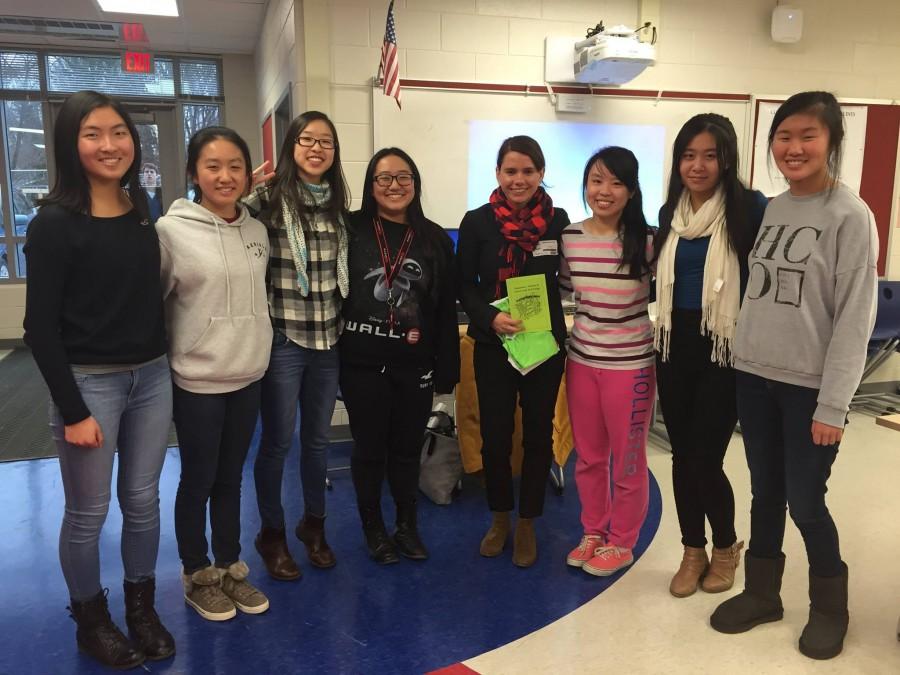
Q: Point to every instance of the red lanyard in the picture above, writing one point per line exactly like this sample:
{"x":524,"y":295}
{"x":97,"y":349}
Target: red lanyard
{"x":391,"y":268}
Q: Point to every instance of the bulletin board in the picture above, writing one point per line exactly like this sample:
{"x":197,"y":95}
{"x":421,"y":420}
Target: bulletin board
{"x":437,"y":117}
{"x":869,"y":163}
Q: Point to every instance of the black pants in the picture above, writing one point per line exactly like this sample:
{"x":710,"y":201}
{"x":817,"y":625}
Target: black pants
{"x":499,"y":385}
{"x":214,"y":432}
{"x":698,"y":404}
{"x":388,"y":409}
{"x":787,"y":468}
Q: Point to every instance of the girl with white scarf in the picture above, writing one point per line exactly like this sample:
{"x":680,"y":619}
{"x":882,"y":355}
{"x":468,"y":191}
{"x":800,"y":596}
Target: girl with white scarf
{"x":707,"y":225}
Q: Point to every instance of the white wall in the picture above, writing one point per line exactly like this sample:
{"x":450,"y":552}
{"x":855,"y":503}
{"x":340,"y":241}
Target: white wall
{"x":279,"y":61}
{"x":704,"y":45}
{"x":241,"y":107}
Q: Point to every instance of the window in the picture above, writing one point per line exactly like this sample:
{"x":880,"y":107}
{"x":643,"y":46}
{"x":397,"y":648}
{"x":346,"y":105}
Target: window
{"x":19,"y":70}
{"x":26,"y":177}
{"x":197,"y":117}
{"x":74,"y":72}
{"x":200,"y":78}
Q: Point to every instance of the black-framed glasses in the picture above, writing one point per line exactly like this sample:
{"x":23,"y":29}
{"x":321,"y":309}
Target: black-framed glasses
{"x":385,"y":179}
{"x":309,"y":141}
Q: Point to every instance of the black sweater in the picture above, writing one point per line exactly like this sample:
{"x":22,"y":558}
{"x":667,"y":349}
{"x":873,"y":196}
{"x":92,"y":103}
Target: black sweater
{"x":426,"y":335}
{"x":93,"y":297}
{"x":477,"y":264}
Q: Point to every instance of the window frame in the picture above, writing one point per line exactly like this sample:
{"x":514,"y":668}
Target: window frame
{"x":45,"y":97}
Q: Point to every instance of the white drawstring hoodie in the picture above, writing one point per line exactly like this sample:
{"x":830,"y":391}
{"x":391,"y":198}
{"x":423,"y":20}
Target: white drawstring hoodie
{"x":214,"y":287}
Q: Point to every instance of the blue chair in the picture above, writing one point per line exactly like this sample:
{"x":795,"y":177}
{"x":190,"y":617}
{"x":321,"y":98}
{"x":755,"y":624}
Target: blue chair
{"x":884,"y":342}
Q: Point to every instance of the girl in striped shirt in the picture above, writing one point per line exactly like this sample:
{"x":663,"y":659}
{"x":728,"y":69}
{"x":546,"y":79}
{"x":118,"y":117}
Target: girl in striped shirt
{"x":610,"y":377}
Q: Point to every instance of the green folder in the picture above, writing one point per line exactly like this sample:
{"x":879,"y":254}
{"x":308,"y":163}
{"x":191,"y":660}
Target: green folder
{"x":526,"y":350}
{"x":528,"y":302}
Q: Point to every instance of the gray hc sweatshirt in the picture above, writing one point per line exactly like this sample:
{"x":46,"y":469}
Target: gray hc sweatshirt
{"x":809,"y":307}
{"x":214,"y":286}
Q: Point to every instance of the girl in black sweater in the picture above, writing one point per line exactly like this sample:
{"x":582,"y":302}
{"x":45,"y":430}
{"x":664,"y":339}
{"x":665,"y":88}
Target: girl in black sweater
{"x":94,"y":321}
{"x":400,"y":344}
{"x":515,"y":234}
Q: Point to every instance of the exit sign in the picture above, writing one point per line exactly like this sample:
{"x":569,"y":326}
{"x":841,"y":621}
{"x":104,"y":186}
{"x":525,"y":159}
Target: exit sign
{"x":137,"y":62}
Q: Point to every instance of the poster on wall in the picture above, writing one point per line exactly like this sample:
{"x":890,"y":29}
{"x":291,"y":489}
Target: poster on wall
{"x":766,"y":177}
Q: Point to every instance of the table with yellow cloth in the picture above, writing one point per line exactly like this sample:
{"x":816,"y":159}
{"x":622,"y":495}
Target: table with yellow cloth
{"x":467,"y":421}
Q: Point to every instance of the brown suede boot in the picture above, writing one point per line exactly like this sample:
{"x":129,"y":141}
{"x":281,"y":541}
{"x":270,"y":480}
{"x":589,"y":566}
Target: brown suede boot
{"x":494,"y":541}
{"x":272,"y":546}
{"x":311,"y":531}
{"x":524,"y":543}
{"x":694,"y":564}
{"x":720,"y":576}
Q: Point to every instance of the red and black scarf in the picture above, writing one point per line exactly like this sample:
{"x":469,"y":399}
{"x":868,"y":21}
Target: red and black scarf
{"x":522,"y":228}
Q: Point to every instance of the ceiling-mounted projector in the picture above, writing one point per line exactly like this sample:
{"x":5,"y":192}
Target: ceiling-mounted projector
{"x":614,"y":56}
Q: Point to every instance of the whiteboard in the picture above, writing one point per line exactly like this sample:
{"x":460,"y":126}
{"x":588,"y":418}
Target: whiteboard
{"x":766,"y":177}
{"x":434,"y":128}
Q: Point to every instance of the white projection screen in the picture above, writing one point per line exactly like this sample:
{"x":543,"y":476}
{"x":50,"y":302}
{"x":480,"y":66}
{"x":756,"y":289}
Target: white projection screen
{"x":453,"y":136}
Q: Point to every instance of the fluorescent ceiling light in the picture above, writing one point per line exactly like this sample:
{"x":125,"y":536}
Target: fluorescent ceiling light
{"x":25,"y":130}
{"x":154,"y":7}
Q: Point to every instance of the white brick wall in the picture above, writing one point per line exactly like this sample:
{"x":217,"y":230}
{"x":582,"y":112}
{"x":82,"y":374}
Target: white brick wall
{"x":704,"y":45}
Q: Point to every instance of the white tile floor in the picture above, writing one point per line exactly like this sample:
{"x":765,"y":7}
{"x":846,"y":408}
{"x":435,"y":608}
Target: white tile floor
{"x":637,"y":627}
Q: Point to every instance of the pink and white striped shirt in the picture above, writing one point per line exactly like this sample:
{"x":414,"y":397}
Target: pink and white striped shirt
{"x":612,"y":329}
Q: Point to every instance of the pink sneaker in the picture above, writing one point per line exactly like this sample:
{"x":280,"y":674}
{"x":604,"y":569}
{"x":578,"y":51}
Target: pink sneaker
{"x":608,"y":560}
{"x":585,"y":550}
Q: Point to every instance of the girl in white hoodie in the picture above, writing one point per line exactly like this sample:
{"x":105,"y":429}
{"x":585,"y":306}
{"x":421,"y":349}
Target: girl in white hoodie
{"x":213,"y":262}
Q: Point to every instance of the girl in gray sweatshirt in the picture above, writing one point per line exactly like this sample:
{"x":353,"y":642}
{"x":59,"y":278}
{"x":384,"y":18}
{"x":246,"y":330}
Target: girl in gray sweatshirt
{"x":213,"y":260}
{"x":800,"y":347}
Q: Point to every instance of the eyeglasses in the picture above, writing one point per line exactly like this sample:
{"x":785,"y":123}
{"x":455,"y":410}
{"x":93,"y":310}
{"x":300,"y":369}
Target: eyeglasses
{"x":309,"y":141}
{"x":385,"y":179}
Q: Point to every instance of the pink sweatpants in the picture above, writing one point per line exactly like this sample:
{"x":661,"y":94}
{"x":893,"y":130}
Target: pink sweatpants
{"x":610,"y":411}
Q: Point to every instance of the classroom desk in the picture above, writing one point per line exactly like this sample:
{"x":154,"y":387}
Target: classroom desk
{"x":468,"y":423}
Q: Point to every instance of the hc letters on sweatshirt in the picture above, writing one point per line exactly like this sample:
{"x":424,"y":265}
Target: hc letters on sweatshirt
{"x":809,"y":307}
{"x":214,"y":284}
{"x":612,"y":328}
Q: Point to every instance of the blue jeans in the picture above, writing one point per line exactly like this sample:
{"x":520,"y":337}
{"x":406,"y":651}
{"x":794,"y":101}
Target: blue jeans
{"x":787,"y":469}
{"x":310,"y":377}
{"x":134,"y":410}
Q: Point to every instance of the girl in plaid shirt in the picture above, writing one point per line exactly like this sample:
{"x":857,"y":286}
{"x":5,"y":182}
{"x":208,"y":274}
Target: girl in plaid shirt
{"x":304,"y":207}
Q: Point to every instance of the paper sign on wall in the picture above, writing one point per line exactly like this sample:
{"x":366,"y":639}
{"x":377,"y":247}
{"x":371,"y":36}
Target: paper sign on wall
{"x":766,"y":177}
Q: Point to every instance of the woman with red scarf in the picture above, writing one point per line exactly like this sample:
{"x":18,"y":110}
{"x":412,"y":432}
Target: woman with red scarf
{"x":515,"y":234}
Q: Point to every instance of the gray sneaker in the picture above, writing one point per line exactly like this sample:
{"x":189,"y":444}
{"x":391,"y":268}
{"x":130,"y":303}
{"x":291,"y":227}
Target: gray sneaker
{"x":244,"y":595}
{"x":203,"y":592}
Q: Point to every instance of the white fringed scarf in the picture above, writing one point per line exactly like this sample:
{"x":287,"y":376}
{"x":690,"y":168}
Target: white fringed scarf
{"x":721,"y":301}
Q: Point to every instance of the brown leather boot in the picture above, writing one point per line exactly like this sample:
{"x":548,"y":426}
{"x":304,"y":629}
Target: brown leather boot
{"x":720,"y":576}
{"x":495,"y":539}
{"x":694,"y":564}
{"x":311,"y":531}
{"x":272,"y":546}
{"x":524,"y":543}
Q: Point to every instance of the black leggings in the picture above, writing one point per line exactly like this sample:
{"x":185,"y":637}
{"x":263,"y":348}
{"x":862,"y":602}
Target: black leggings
{"x":388,"y":409}
{"x":499,"y":385}
{"x":700,"y":410}
{"x":214,"y":432}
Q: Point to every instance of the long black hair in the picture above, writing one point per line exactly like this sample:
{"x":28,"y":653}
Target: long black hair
{"x":633,"y":227}
{"x":288,"y":186}
{"x":736,"y":203}
{"x":823,"y":106}
{"x":203,"y":138}
{"x":427,"y":232}
{"x":72,"y":189}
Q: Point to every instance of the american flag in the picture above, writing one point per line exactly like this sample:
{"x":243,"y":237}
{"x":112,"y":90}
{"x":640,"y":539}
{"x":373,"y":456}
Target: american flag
{"x":390,"y":66}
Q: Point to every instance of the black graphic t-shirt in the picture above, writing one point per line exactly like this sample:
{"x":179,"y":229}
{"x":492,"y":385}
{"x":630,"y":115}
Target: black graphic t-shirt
{"x":424,"y":333}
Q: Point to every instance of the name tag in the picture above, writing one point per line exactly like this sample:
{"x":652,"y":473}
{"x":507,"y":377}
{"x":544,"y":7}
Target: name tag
{"x":546,"y":248}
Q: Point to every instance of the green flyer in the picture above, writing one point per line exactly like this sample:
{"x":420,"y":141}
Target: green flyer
{"x":528,"y":302}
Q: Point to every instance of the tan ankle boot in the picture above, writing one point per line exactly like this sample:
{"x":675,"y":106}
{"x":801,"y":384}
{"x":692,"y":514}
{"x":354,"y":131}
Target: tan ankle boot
{"x":495,"y":540}
{"x":720,"y":576}
{"x":524,"y":543}
{"x":694,"y":564}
